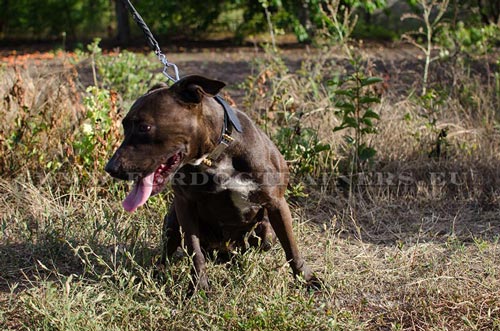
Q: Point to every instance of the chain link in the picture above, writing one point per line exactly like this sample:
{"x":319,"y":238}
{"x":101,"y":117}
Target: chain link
{"x":153,"y":43}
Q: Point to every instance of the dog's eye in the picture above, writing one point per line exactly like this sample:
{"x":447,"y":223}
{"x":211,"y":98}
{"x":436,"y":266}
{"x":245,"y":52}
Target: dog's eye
{"x":144,"y":128}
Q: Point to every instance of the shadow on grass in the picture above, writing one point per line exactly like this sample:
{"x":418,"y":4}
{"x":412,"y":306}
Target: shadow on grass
{"x":24,"y":264}
{"x":410,"y":202}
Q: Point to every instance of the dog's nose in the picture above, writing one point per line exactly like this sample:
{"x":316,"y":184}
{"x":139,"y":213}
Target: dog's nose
{"x":116,"y":170}
{"x":113,"y":169}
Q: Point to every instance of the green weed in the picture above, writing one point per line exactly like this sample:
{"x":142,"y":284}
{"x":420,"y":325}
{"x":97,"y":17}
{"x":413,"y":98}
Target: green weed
{"x":430,"y":25}
{"x":298,"y":141}
{"x":128,"y":73}
{"x":99,"y":131}
{"x":354,"y":103}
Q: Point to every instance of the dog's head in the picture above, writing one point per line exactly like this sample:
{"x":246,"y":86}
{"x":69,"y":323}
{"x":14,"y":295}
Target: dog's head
{"x":162,"y":131}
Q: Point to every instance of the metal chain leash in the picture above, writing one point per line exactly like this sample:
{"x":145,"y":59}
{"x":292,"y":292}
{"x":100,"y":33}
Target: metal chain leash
{"x":229,"y":114}
{"x":153,"y":43}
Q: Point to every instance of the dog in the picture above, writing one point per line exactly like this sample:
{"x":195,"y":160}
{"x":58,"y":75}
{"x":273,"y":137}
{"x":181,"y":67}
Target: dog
{"x":228,"y":178}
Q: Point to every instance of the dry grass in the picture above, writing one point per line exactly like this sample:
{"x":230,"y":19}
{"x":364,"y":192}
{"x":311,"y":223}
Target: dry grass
{"x":415,"y":246}
{"x":41,"y":106}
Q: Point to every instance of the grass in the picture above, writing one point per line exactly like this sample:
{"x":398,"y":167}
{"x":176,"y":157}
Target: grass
{"x":86,"y":265}
{"x":415,"y":246}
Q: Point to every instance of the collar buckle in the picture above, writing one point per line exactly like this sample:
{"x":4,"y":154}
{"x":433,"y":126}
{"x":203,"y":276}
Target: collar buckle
{"x":225,"y":141}
{"x":230,"y":121}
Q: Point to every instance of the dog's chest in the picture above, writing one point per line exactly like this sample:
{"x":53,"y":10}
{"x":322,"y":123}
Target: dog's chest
{"x":241,"y":186}
{"x":222,"y":184}
{"x":240,"y":193}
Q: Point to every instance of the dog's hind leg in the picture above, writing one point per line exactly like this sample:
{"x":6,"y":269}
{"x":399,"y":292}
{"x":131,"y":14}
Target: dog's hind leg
{"x":264,"y":237}
{"x":281,"y":220}
{"x":171,"y":237}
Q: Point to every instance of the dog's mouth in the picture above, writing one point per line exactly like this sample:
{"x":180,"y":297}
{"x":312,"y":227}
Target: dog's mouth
{"x":151,"y":184}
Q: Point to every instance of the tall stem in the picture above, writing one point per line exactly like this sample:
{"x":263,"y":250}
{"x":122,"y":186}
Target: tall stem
{"x":427,"y":13}
{"x":271,"y":28}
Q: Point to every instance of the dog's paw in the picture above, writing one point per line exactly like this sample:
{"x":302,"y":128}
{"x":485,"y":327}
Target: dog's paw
{"x":200,"y":286}
{"x":313,"y":284}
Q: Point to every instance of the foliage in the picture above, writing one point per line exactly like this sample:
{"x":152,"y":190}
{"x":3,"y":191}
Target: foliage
{"x":430,"y":107}
{"x":352,"y":96}
{"x":298,"y":142}
{"x":35,"y":116}
{"x":39,"y":137}
{"x":73,"y":260}
{"x":430,"y":24}
{"x":301,"y":147}
{"x":303,"y":18}
{"x":43,"y":18}
{"x":369,"y":5}
{"x":431,"y":102}
{"x":128,"y":73}
{"x":76,"y":20}
{"x":338,"y":22}
{"x":353,"y":101}
{"x":475,"y":12}
{"x":188,"y":17}
{"x":98,"y":133}
{"x":469,"y":39}
{"x":126,"y":76}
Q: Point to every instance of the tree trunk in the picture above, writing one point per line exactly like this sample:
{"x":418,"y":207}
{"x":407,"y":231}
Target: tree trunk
{"x":304,"y":16}
{"x":123,"y":26}
{"x":4,"y":15}
{"x":489,"y":11}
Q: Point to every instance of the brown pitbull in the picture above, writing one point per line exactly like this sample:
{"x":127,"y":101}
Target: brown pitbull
{"x":229,"y":184}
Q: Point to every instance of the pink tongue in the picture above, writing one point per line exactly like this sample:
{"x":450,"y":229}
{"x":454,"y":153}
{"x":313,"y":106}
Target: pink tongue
{"x":139,"y":194}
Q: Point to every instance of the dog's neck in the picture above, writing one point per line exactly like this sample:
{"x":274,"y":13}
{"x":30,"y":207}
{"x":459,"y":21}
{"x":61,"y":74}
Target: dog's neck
{"x":210,"y":127}
{"x":213,"y":120}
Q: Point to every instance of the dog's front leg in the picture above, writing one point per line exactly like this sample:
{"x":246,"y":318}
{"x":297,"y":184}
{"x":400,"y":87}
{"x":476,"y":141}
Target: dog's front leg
{"x":171,"y":237}
{"x":190,"y":225}
{"x":281,"y":221}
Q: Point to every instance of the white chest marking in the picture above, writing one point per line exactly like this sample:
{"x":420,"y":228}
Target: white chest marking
{"x":240,"y":197}
{"x":240,"y":187}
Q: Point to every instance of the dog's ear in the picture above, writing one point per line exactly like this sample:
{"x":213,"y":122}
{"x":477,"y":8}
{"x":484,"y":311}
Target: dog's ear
{"x":192,"y":89}
{"x":157,"y":86}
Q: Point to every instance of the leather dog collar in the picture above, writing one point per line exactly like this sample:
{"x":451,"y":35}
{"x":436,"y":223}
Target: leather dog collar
{"x":229,"y":114}
{"x":225,"y":140}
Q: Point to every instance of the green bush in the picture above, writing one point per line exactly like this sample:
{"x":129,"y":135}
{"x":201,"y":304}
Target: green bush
{"x":128,"y":73}
{"x":98,"y":132}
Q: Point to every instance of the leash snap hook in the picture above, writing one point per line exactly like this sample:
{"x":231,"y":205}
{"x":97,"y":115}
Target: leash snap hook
{"x":167,"y":65}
